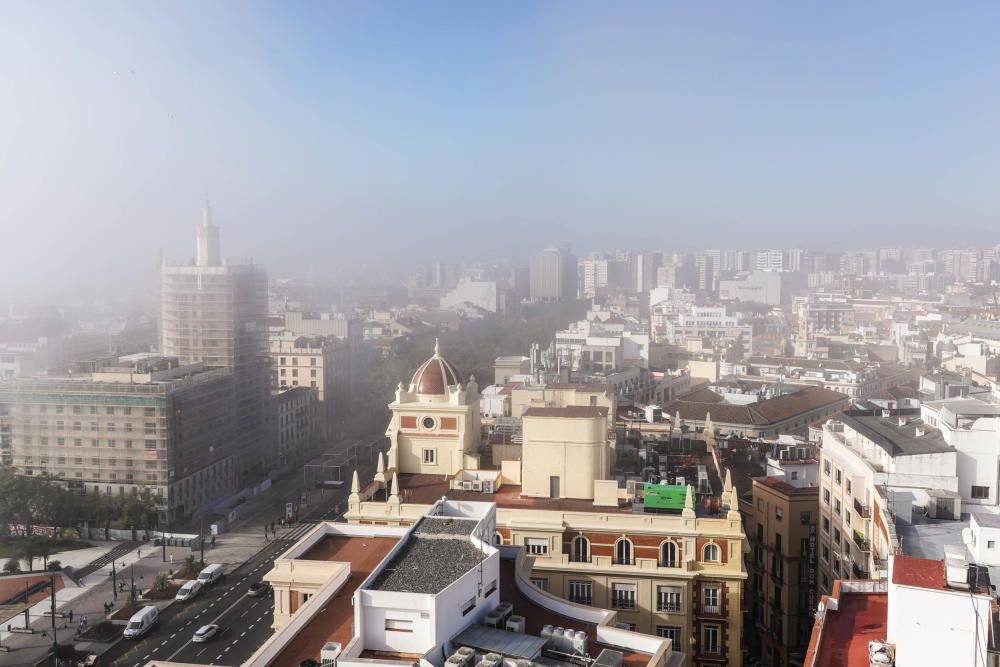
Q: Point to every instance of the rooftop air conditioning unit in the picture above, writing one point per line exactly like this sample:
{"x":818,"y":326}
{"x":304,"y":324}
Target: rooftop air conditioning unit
{"x":467,"y":486}
{"x":493,"y":659}
{"x":516,"y":624}
{"x":504,"y":609}
{"x":460,"y":659}
{"x":329,"y":653}
{"x":488,"y":486}
{"x":477,"y":486}
{"x":493,"y":620}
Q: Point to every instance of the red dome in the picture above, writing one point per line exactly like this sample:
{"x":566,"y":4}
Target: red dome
{"x":435,"y":375}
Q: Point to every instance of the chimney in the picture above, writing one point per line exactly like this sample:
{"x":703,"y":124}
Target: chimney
{"x":901,"y":421}
{"x":920,"y":431}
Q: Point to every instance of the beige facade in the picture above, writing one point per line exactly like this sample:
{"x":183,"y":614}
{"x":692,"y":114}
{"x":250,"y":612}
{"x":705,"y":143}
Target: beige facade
{"x":323,"y":364}
{"x":680,"y":577}
{"x":561,"y":395}
{"x":435,"y":427}
{"x":564,"y":451}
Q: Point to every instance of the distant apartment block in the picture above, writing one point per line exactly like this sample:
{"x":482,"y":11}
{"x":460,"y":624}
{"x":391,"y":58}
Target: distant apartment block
{"x":145,"y":423}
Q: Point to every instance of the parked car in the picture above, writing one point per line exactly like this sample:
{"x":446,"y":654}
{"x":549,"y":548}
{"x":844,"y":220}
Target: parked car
{"x":259,"y":589}
{"x":188,"y":591}
{"x":205,"y":633}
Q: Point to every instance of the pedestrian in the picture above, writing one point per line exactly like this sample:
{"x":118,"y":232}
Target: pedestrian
{"x":213,"y":540}
{"x":138,"y":552}
{"x":171,"y":559}
{"x":70,"y":615}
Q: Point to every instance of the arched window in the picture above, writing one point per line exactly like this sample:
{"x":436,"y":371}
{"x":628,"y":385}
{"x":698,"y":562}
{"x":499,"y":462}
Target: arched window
{"x":668,"y":554}
{"x":497,"y":538}
{"x":711,"y":553}
{"x":623,"y":552}
{"x":580,"y":550}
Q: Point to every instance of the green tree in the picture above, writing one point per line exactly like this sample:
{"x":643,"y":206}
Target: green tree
{"x":29,"y":552}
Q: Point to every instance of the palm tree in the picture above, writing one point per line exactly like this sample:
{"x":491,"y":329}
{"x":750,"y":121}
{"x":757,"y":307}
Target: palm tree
{"x":43,"y":548}
{"x":29,"y":552}
{"x":161,"y":582}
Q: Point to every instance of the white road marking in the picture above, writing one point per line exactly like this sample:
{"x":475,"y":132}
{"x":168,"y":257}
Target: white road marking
{"x":200,"y":652}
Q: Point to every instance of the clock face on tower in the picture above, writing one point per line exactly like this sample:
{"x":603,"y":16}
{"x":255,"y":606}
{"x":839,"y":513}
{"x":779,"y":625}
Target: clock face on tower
{"x":428,"y":422}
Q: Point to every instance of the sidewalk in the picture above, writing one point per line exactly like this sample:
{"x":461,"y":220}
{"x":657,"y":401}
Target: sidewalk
{"x":85,"y":600}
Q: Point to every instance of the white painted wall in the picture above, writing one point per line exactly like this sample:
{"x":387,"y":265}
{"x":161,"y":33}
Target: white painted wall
{"x":931,"y":628}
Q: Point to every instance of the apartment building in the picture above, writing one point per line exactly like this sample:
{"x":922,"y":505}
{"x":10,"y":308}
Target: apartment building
{"x":145,"y":423}
{"x":677,"y":575}
{"x":853,"y":378}
{"x":320,"y":363}
{"x":436,"y":591}
{"x":297,"y":426}
{"x":215,"y":313}
{"x":781,"y":525}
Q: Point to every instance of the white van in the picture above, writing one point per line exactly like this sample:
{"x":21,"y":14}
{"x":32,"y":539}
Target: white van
{"x":141,"y":622}
{"x":210,"y":574}
{"x":188,"y":591}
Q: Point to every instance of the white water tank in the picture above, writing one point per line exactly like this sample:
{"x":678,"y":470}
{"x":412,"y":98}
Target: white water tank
{"x":580,"y":642}
{"x":559,"y":639}
{"x":547,"y":632}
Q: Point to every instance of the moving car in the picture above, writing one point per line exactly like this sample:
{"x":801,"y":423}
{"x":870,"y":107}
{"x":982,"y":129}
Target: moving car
{"x":210,"y":574}
{"x":141,"y":622}
{"x":205,"y":633}
{"x":188,"y":591}
{"x":258,"y":589}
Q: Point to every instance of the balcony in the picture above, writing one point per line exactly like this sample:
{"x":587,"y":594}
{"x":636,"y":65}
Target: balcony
{"x":623,"y":561}
{"x":858,"y":572}
{"x":864,"y":545}
{"x":711,"y":609}
{"x":865,"y":511}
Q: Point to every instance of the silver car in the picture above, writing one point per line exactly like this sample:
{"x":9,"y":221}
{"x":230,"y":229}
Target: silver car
{"x":205,"y":633}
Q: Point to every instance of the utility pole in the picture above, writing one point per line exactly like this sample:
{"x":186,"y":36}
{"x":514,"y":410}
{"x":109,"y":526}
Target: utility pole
{"x":131,"y":570}
{"x":114,"y":580}
{"x":201,"y":538}
{"x":27,"y":605}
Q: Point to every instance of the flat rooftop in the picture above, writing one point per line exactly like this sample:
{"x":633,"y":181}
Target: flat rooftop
{"x":360,"y":552}
{"x":898,"y":440}
{"x":427,"y":489}
{"x":859,"y":619}
{"x":428,"y":565}
{"x":335,"y":621}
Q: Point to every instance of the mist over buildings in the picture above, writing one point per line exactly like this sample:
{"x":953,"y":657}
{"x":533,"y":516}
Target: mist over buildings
{"x":347,"y":138}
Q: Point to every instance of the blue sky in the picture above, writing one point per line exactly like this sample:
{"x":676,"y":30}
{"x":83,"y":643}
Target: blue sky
{"x":333,"y":137}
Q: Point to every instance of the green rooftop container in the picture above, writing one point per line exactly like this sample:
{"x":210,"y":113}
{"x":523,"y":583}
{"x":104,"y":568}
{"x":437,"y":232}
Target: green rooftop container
{"x":664,"y":497}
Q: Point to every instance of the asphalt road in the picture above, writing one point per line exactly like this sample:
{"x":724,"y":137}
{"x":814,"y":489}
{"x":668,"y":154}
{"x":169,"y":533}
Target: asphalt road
{"x":245,"y":622}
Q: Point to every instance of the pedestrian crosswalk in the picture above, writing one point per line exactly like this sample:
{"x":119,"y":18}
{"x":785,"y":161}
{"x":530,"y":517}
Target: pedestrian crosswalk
{"x":298,"y":530}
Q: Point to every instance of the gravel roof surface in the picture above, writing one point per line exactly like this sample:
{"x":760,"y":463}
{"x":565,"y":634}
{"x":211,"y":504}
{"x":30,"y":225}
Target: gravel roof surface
{"x":444,"y":526}
{"x":427,"y":565}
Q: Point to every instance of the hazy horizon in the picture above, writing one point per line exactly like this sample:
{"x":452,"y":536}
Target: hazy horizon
{"x":333,"y":138}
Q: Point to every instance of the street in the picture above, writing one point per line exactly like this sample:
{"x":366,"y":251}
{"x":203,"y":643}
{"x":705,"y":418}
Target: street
{"x":245,"y":622}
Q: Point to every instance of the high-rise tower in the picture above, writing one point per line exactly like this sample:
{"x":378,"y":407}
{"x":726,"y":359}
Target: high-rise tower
{"x":214,"y":312}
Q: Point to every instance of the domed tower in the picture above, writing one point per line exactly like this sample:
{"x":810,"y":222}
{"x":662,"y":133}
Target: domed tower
{"x":435,"y":421}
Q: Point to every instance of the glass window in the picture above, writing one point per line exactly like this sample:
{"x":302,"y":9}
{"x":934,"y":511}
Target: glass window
{"x":581,"y":592}
{"x":623,"y":596}
{"x":668,"y":599}
{"x":668,"y":554}
{"x":671,"y":632}
{"x":623,"y":552}
{"x":710,"y":639}
{"x":580,"y":549}
{"x":538,"y":546}
{"x":711,"y":553}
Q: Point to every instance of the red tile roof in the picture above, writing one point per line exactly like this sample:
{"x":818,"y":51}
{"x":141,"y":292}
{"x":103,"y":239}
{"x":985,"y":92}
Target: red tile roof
{"x":435,"y":376}
{"x":918,"y":572}
{"x":859,"y":619}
